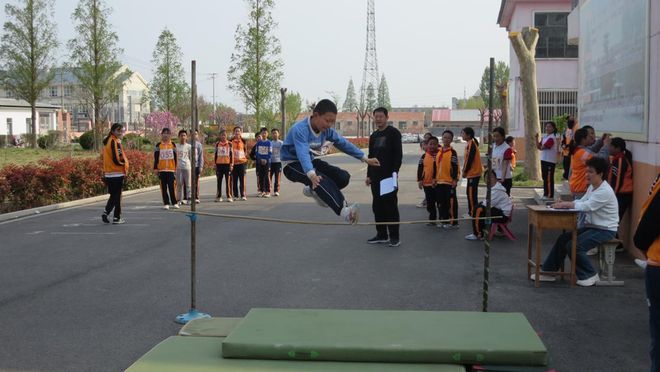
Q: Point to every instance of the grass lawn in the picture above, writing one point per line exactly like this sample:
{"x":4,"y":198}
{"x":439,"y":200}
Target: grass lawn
{"x":21,"y":156}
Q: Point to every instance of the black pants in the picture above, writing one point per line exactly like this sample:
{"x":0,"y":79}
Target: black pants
{"x":478,"y":225}
{"x":275,"y":175}
{"x":115,"y":186}
{"x":625,"y":200}
{"x":432,"y":206}
{"x":262,"y":177}
{"x":222,"y":171}
{"x":238,"y":176}
{"x":386,"y":209}
{"x":167,"y":188}
{"x":472,"y":191}
{"x":652,"y":278}
{"x":548,"y":175}
{"x":333,"y":179}
{"x":567,"y":167}
{"x":508,"y":184}
{"x":448,"y":203}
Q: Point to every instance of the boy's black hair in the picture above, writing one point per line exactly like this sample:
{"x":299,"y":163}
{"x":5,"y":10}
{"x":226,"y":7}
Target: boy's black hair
{"x":500,"y":130}
{"x":324,"y":106}
{"x":429,"y":133}
{"x":600,"y":165}
{"x":274,"y":130}
{"x":509,"y":139}
{"x":263,"y":129}
{"x":381,"y":109}
{"x":432,"y":138}
{"x":589,"y":127}
{"x":165,"y":130}
{"x":448,"y":131}
{"x":182,"y":131}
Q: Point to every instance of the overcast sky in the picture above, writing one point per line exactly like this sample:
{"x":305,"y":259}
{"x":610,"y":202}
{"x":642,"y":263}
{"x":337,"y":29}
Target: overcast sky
{"x":429,"y":50}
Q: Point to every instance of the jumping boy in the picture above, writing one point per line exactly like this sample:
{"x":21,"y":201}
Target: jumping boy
{"x":224,"y":158}
{"x":310,"y":138}
{"x":164,"y":166}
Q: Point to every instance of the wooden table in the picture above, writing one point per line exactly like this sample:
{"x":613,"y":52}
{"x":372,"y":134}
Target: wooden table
{"x":540,"y":218}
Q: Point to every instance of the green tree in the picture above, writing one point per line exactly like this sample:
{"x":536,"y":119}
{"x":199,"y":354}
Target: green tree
{"x":501,"y":77}
{"x":94,"y":53}
{"x":256,"y":68}
{"x":26,"y":51}
{"x":470,"y":103}
{"x":384,"y":94}
{"x":292,"y":106}
{"x":168,"y":87}
{"x":350,"y":104}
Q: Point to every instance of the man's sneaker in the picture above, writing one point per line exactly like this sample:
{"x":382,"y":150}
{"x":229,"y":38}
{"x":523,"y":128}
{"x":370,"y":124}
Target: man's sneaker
{"x":266,"y":195}
{"x":260,"y":194}
{"x":166,"y":207}
{"x":176,"y":206}
{"x":351,"y":213}
{"x":185,"y":201}
{"x":395,"y":242}
{"x":449,"y":226}
{"x":422,"y":204}
{"x":218,"y":200}
{"x":472,"y":237}
{"x":641,"y":263}
{"x":230,"y":200}
{"x":543,"y":278}
{"x":197,"y":201}
{"x":104,"y":217}
{"x":310,"y":193}
{"x":118,"y":221}
{"x":277,"y":193}
{"x":244,"y":198}
{"x":588,"y":282}
{"x":592,"y":251}
{"x":378,"y":240}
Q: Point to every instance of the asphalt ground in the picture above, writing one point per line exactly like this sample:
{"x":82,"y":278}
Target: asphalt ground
{"x":79,"y":295}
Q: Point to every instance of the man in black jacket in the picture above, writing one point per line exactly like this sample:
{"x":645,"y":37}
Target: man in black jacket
{"x":385,"y":145}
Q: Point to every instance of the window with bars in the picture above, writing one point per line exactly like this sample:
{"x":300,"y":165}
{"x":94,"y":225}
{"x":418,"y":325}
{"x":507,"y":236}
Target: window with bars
{"x":553,"y":36}
{"x":54,"y":91}
{"x":553,"y":103}
{"x":403,"y":125}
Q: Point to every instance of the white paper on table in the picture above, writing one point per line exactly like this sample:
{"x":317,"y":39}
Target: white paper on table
{"x":389,"y":184}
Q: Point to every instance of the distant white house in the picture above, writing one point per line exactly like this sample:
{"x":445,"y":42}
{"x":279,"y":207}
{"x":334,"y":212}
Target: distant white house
{"x":16,"y":117}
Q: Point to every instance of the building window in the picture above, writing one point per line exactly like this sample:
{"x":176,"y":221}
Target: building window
{"x":414,"y":123}
{"x":553,"y":103}
{"x":390,"y":123}
{"x":68,"y":90}
{"x":426,"y":125}
{"x":403,"y":125}
{"x":349,"y":123}
{"x":10,"y":126}
{"x":553,"y":41}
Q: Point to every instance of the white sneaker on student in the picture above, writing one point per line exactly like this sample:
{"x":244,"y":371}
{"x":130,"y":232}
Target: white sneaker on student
{"x":230,"y":200}
{"x":277,"y":193}
{"x":197,"y":201}
{"x":543,"y":278}
{"x":244,"y":198}
{"x":588,"y":282}
{"x":176,"y":206}
{"x":166,"y":207}
{"x":351,"y":213}
{"x":471,"y":237}
{"x":641,"y":263}
{"x":260,"y":194}
{"x":266,"y":195}
{"x":310,"y":193}
{"x":218,"y":200}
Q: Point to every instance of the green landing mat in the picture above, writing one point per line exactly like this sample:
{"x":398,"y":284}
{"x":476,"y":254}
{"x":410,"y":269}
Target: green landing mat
{"x":201,"y":354}
{"x":210,"y":327}
{"x":386,"y":336}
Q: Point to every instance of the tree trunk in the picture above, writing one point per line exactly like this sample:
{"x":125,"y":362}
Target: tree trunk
{"x":33,"y":136}
{"x":97,"y":126}
{"x":503,"y":91}
{"x":524,"y":44}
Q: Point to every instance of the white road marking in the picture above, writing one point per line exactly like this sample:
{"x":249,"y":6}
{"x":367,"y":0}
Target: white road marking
{"x":34,"y":233}
{"x":82,"y":233}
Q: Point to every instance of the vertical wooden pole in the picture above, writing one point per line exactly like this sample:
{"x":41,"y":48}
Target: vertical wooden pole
{"x":194,"y":196}
{"x":486,"y":230}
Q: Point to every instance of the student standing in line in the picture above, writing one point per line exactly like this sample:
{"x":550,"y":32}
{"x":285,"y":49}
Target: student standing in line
{"x":472,"y":168}
{"x":115,"y":170}
{"x":579,"y":156}
{"x":502,"y":155}
{"x":447,"y":175}
{"x":198,"y":153}
{"x":264,"y":151}
{"x":223,"y":159}
{"x":183,"y":168}
{"x":165,"y":161}
{"x":240,"y":163}
{"x":276,"y":161}
{"x":548,"y":147}
{"x":567,"y":137}
{"x":426,"y":179}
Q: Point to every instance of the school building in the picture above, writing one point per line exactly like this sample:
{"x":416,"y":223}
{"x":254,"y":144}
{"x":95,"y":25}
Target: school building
{"x":405,"y":122}
{"x":599,"y":60}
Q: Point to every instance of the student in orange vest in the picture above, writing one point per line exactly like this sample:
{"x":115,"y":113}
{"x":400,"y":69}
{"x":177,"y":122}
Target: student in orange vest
{"x":471,"y":168}
{"x":579,"y":156}
{"x":647,"y":239}
{"x":115,"y":169}
{"x":165,"y":166}
{"x":240,"y":164}
{"x":567,"y":137}
{"x":426,"y":174}
{"x":223,"y":157}
{"x":548,"y":147}
{"x":447,"y":176}
{"x":621,"y":176}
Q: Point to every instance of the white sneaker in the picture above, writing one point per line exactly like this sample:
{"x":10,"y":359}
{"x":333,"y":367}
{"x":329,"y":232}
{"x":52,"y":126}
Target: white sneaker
{"x":421,"y":204}
{"x":176,"y":206}
{"x":230,"y":200}
{"x":471,"y":237}
{"x":310,"y":193}
{"x":543,"y":278}
{"x":588,"y":282}
{"x":592,"y":251}
{"x":265,"y":195}
{"x":641,"y":263}
{"x":351,"y":213}
{"x":449,"y":226}
{"x":166,"y":207}
{"x":260,"y":194}
{"x":197,"y":201}
{"x":218,"y":200}
{"x":244,"y":198}
{"x":277,"y":193}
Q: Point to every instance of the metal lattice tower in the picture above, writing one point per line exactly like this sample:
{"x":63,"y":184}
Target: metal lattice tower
{"x":370,"y":74}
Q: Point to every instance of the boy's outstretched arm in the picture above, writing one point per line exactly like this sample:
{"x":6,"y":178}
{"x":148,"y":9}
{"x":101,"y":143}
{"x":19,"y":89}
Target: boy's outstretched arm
{"x":350,"y":149}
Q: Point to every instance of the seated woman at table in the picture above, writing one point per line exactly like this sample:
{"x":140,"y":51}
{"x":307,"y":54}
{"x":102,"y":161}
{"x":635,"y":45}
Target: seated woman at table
{"x":599,"y":205}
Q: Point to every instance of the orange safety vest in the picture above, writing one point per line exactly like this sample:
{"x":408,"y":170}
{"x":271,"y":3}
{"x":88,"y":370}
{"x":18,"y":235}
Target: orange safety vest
{"x":238,"y":147}
{"x":114,"y":159}
{"x":578,"y":180}
{"x":447,"y":166}
{"x":223,"y":152}
{"x":474,"y":169}
{"x":620,"y":177}
{"x":166,"y":161}
{"x":427,"y":170}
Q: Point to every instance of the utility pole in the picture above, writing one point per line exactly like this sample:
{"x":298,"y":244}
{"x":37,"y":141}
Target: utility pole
{"x":215,"y":114}
{"x":283,"y":110}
